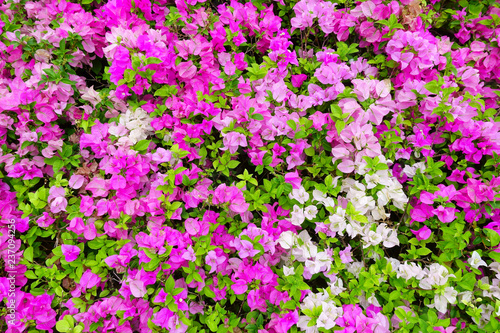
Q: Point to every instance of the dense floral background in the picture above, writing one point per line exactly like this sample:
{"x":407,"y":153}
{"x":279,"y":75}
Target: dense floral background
{"x":260,"y":166}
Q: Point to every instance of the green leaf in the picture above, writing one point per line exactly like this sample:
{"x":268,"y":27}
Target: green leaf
{"x":153,"y":60}
{"x":28,"y":254}
{"x":423,"y":251}
{"x":339,"y":125}
{"x":141,"y":145}
{"x":66,"y":324}
{"x":433,"y":87}
{"x":208,"y":292}
{"x":300,"y":135}
{"x":493,"y":236}
{"x":257,"y":116}
{"x":468,"y":281}
{"x":30,"y":275}
{"x":166,"y":91}
{"x":233,"y":164}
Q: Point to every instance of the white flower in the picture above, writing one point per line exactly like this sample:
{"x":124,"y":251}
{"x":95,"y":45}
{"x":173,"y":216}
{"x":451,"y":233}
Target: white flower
{"x":330,"y":313}
{"x":372,"y":238}
{"x":437,"y":275}
{"x":465,"y":296}
{"x":408,"y":271}
{"x":138,"y":123}
{"x":354,"y":228}
{"x":303,"y":324}
{"x":355,"y":268}
{"x":300,"y":195}
{"x":495,"y":266}
{"x":287,"y":271}
{"x":137,"y":135}
{"x":312,"y":301}
{"x":297,"y":217}
{"x":383,"y":197}
{"x":394,"y":263}
{"x":321,"y":261}
{"x":337,"y":286}
{"x":486,"y":312}
{"x":475,"y":261}
{"x":337,"y":223}
{"x":379,"y":213}
{"x":329,"y":202}
{"x":409,"y":171}
{"x":380,"y":177}
{"x":389,"y":236}
{"x":361,"y":202}
{"x":319,"y":196}
{"x":287,"y":239}
{"x":117,"y":130}
{"x":392,"y":240}
{"x":309,"y":250}
{"x":310,"y":212}
{"x":312,"y":266}
{"x":441,"y":301}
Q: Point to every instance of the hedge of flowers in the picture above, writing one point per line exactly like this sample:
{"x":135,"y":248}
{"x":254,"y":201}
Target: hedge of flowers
{"x":260,"y":166}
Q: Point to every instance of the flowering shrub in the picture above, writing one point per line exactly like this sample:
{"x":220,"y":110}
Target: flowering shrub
{"x":260,"y":166}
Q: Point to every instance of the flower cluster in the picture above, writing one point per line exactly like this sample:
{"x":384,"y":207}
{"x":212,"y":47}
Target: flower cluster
{"x":254,"y":166}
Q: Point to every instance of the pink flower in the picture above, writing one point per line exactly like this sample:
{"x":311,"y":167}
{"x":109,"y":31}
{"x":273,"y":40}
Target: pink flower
{"x":187,"y":70}
{"x":233,"y":140}
{"x":297,"y":80}
{"x":76,"y":181}
{"x":98,"y":187}
{"x":196,"y":228}
{"x":493,"y":226}
{"x":422,"y":233}
{"x":89,"y":280}
{"x":92,"y":96}
{"x":70,"y":252}
{"x":445,"y":214}
{"x":345,"y":255}
{"x":45,"y":220}
{"x":59,"y":204}
{"x":117,"y":182}
{"x":294,"y":179}
{"x":213,"y":260}
{"x":137,"y":288}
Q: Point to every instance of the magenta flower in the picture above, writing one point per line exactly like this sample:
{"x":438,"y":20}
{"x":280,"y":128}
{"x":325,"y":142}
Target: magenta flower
{"x":89,"y":280}
{"x":70,"y":252}
{"x":294,"y":179}
{"x":45,"y":220}
{"x":422,"y":233}
{"x":346,"y":255}
{"x":117,"y":182}
{"x":445,"y":214}
{"x":297,"y":80}
{"x":213,"y":260}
